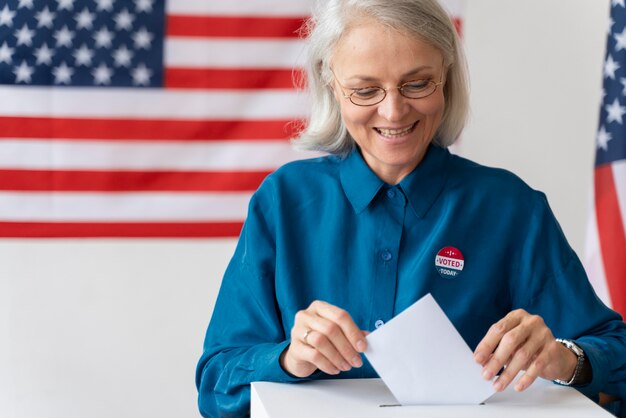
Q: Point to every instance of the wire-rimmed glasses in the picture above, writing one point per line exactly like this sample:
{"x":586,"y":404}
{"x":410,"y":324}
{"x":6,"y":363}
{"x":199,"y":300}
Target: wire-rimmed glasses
{"x":372,"y":95}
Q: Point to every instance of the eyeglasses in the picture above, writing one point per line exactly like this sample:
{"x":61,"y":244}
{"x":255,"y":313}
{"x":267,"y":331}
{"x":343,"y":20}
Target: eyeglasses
{"x":369,"y":96}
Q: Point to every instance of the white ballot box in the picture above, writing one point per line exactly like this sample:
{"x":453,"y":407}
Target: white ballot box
{"x":368,"y":398}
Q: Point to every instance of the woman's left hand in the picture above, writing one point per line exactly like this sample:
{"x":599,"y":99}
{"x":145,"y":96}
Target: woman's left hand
{"x":522,"y":342}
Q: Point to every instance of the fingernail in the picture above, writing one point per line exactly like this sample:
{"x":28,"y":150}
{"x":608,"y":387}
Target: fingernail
{"x":479,"y":358}
{"x":519,"y":387}
{"x":356,"y":361}
{"x":487,"y":374}
{"x":498,"y":386}
{"x":360,"y":346}
{"x":345,"y":366}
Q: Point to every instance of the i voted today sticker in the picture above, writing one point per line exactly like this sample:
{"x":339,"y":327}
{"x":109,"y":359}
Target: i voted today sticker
{"x":449,"y":262}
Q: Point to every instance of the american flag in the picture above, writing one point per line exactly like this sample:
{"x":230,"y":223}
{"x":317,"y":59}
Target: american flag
{"x":145,"y":118}
{"x":606,"y":246}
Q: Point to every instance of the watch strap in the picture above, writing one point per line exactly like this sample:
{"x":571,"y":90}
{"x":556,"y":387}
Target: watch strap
{"x":580,"y":356}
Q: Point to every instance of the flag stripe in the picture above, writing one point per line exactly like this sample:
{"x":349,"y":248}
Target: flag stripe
{"x":153,"y":103}
{"x":233,"y":26}
{"x":123,"y":207}
{"x":129,"y":181}
{"x":119,"y":230}
{"x":611,"y":235}
{"x":619,"y":176}
{"x":154,"y":130}
{"x":82,"y":154}
{"x":239,"y":8}
{"x":208,"y":78}
{"x":229,"y":53}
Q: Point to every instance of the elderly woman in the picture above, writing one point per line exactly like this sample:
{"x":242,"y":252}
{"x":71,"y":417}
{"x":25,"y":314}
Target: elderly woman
{"x":334,"y":247}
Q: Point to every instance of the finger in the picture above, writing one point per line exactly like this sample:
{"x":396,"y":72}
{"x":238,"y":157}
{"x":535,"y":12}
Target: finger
{"x":491,"y":340}
{"x":530,"y":375}
{"x":329,"y":337}
{"x":505,"y":352}
{"x":315,"y":357}
{"x":520,"y":359}
{"x":322,"y":344}
{"x":344,"y":321}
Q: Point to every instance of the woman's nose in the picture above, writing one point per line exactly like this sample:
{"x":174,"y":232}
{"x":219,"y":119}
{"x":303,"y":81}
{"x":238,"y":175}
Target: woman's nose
{"x":394,"y":107}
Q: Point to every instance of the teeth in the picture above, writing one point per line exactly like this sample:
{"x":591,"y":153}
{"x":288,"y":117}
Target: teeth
{"x":395,"y":132}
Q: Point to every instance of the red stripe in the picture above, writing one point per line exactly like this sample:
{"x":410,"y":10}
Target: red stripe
{"x":611,"y":235}
{"x":128,"y":181}
{"x":203,"y":78}
{"x":120,"y":129}
{"x":119,"y":230}
{"x":233,"y":27}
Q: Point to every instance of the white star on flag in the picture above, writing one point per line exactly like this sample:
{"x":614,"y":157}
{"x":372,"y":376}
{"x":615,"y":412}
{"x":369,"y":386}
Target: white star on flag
{"x":615,"y":112}
{"x":618,"y":2}
{"x":44,"y":55}
{"x":6,"y":16}
{"x":6,"y":53}
{"x":124,"y":20}
{"x":603,"y":138}
{"x":45,"y":18}
{"x":62,"y":74}
{"x":141,"y":75}
{"x":83,"y":56}
{"x":143,"y":5}
{"x":102,"y":74}
{"x":142,"y":38}
{"x":621,"y":40}
{"x":65,"y":4}
{"x":64,"y":37}
{"x":24,"y":36}
{"x":122,"y":56}
{"x":23,"y":73}
{"x":105,"y":5}
{"x":610,"y":66}
{"x":25,"y":3}
{"x":103,"y":38}
{"x":84,"y":19}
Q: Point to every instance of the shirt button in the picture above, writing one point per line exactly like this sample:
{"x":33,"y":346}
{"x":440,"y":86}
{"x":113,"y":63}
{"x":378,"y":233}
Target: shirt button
{"x":391,"y":193}
{"x":379,"y":323}
{"x":386,"y":255}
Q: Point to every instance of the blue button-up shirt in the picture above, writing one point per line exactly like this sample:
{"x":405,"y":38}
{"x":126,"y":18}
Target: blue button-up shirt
{"x":329,"y":229}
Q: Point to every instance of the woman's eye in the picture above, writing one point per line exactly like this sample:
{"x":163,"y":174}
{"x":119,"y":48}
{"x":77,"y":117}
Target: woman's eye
{"x":416,"y":86}
{"x":366,"y":92}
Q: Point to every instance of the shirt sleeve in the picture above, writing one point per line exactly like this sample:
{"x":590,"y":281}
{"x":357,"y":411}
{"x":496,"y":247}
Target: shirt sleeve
{"x":245,"y":337}
{"x":557,"y":288}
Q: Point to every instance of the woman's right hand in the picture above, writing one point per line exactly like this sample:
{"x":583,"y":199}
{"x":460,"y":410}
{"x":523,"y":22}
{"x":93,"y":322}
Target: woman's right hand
{"x":323,"y":337}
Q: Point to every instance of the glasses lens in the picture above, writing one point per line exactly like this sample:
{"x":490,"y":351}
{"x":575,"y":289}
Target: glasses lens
{"x":367,"y":96}
{"x":418,"y":89}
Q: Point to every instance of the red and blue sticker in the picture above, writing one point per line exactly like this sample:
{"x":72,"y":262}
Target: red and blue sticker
{"x":449,"y":262}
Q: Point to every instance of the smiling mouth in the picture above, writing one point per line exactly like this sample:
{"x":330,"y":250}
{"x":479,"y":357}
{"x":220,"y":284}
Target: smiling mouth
{"x":396,"y":133}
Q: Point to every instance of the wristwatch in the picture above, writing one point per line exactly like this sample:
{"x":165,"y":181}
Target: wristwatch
{"x":580,"y":355}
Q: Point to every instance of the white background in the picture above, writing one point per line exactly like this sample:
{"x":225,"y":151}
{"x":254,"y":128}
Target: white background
{"x":104,"y":328}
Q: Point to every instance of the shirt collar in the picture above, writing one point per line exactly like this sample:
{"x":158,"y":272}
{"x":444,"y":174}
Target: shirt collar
{"x":359,"y":182}
{"x":425,"y":183}
{"x":421,"y":187}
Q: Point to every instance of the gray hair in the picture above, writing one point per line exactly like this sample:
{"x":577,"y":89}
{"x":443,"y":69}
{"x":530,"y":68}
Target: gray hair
{"x":425,"y":19}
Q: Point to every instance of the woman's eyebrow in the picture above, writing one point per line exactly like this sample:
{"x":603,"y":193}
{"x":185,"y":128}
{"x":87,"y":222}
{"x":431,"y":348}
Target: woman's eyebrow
{"x":414,"y":71}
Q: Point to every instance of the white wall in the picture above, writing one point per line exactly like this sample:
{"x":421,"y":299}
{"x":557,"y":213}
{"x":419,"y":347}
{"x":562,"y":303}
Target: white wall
{"x":100,"y":328}
{"x":536,"y":71}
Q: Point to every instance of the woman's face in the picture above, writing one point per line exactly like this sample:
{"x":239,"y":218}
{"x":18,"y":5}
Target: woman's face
{"x":394,"y":134}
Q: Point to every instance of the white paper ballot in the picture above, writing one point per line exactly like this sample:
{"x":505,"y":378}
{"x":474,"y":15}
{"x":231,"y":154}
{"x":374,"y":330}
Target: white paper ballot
{"x":423,"y":359}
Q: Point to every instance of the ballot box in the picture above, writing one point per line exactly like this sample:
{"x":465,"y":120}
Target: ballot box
{"x":369,"y":398}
